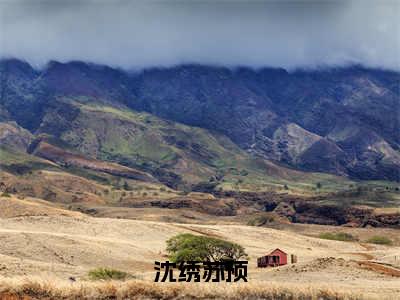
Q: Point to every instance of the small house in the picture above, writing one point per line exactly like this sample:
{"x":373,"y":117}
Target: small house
{"x":274,"y":259}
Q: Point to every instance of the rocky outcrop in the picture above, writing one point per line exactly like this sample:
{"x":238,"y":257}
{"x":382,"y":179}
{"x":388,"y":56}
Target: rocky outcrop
{"x":314,"y":213}
{"x":286,"y":210}
{"x":217,"y":207}
{"x":14,"y":137}
{"x":311,"y":211}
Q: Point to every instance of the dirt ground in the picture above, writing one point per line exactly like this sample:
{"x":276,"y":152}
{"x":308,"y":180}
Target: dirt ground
{"x":49,"y":242}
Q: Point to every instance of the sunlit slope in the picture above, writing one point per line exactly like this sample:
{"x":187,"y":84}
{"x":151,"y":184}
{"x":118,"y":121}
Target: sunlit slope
{"x":174,"y":153}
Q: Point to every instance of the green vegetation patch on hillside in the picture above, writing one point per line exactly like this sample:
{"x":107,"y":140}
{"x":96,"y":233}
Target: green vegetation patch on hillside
{"x":380,"y":240}
{"x":338,"y":236}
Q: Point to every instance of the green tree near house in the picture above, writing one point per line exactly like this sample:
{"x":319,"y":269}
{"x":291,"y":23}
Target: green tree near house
{"x":189,"y":247}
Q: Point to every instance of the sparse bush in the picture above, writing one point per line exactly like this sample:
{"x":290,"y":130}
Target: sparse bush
{"x":5,"y":194}
{"x":285,"y":187}
{"x":107,"y":274}
{"x":380,"y":240}
{"x":260,"y":220}
{"x":338,"y":236}
{"x":189,"y":247}
{"x":162,"y":189}
{"x":144,"y":194}
{"x":155,"y":194}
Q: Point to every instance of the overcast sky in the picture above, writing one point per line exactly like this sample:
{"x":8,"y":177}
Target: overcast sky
{"x":133,"y":34}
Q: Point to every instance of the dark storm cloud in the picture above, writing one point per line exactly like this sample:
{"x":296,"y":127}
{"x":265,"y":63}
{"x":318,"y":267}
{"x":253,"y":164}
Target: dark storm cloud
{"x":134,"y":34}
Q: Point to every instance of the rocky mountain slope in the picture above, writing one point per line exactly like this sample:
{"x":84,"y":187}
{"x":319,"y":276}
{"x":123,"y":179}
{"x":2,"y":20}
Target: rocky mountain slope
{"x":341,"y":121}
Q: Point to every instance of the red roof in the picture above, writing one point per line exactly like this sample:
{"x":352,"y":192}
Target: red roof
{"x":277,"y":249}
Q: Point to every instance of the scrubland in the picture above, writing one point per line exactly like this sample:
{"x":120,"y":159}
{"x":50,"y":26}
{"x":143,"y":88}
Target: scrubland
{"x":47,"y":252}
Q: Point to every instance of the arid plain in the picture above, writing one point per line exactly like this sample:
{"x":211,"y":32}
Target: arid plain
{"x":42,"y":241}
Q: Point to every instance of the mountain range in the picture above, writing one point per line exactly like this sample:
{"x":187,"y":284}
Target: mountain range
{"x":195,"y":124}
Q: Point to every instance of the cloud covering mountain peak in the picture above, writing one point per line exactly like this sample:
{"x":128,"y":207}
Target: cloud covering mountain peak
{"x":135,"y":34}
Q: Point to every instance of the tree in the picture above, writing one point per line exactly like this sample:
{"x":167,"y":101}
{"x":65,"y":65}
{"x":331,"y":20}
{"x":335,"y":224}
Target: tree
{"x":189,"y":247}
{"x":319,"y":185}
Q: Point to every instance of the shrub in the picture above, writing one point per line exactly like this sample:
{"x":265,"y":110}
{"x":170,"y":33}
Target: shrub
{"x":107,"y":274}
{"x":338,"y":236}
{"x":189,"y":247}
{"x":260,"y":220}
{"x":380,"y":240}
{"x":5,"y":194}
